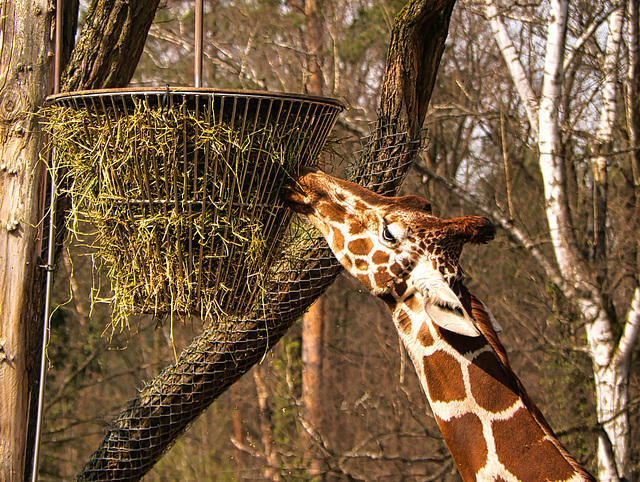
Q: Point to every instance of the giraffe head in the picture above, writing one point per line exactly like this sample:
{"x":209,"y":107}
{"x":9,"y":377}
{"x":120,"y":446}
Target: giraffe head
{"x":394,"y":245}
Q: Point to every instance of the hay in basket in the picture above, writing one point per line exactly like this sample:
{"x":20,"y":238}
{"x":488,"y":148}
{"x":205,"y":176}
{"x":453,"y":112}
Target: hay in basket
{"x":177,"y":193}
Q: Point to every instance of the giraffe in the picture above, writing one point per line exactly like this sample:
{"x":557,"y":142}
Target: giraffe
{"x":410,"y":259}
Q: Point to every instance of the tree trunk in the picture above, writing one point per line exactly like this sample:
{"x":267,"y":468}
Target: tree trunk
{"x":604,"y":141}
{"x":549,"y":143}
{"x":313,"y":320}
{"x":314,"y":38}
{"x":611,"y":375}
{"x":312,"y":379}
{"x":25,"y":79}
{"x":109,"y":45}
{"x":511,"y":58}
{"x":270,"y":471}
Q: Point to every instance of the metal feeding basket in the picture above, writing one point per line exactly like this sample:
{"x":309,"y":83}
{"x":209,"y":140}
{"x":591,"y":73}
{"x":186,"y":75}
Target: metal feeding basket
{"x":181,"y":189}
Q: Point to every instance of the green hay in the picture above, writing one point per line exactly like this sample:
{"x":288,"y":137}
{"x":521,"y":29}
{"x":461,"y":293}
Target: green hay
{"x":173,"y":236}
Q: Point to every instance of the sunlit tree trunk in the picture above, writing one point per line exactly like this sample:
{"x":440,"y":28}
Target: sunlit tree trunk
{"x":516,"y":70}
{"x":312,"y":379}
{"x":549,"y":144}
{"x":25,"y":80}
{"x":611,"y":372}
{"x":270,"y":470}
{"x":314,"y":38}
{"x":313,"y":320}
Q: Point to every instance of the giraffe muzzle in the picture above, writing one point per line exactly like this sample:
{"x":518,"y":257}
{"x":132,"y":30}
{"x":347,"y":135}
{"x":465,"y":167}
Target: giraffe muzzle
{"x":297,"y":194}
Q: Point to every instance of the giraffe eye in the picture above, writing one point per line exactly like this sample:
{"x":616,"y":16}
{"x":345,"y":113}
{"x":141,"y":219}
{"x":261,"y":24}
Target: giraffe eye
{"x":387,"y":235}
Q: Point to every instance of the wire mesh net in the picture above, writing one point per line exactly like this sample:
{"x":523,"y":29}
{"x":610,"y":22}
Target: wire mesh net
{"x":231,"y":345}
{"x":177,"y":191}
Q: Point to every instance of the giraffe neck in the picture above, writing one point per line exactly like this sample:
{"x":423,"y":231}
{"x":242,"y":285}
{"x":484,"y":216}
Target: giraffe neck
{"x":491,"y":426}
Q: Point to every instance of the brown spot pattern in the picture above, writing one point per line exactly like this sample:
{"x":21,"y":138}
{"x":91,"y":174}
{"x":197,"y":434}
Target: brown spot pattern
{"x":444,"y":377}
{"x":347,"y":262}
{"x":380,"y":257}
{"x":406,"y":262}
{"x":364,"y":279}
{"x":413,"y":304}
{"x":359,"y":206}
{"x":338,"y":240}
{"x":424,"y":336}
{"x":522,"y":449}
{"x":401,"y":288}
{"x":490,"y":385}
{"x":381,"y":277}
{"x":361,"y":264}
{"x":356,"y":228}
{"x":396,"y":269}
{"x":404,"y":322}
{"x":472,"y":455}
{"x":360,"y":247}
{"x":336,"y":214}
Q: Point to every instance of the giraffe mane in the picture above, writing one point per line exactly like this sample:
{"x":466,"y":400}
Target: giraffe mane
{"x":483,"y":322}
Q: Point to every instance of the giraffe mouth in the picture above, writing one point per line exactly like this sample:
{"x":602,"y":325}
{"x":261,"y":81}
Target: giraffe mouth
{"x":295,"y":196}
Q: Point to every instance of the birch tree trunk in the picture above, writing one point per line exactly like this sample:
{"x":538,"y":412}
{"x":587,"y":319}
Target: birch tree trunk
{"x":611,"y":372}
{"x":610,"y":358}
{"x":25,"y":80}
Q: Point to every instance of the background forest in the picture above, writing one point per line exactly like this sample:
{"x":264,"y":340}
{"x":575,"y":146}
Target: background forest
{"x":568,"y":303}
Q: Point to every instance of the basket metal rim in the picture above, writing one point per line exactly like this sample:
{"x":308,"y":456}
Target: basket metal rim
{"x":201,"y":91}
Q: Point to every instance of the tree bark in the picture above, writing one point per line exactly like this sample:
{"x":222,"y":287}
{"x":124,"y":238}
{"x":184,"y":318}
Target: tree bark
{"x":313,"y":319}
{"x":312,"y":378}
{"x":604,"y":140}
{"x":633,"y":99}
{"x":549,"y":143}
{"x":270,"y":471}
{"x":314,"y":38}
{"x":611,"y":374}
{"x":512,"y":60}
{"x":110,"y":44}
{"x":25,"y":80}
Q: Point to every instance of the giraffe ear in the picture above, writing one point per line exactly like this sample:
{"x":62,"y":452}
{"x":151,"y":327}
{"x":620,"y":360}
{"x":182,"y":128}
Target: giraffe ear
{"x":441,"y":304}
{"x":444,"y":308}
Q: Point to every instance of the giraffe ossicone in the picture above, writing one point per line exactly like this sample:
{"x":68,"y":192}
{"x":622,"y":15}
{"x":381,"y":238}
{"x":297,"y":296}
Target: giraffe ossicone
{"x":409,"y":258}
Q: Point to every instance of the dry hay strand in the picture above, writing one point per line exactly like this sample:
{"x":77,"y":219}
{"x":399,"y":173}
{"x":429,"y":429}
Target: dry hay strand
{"x":180,"y":209}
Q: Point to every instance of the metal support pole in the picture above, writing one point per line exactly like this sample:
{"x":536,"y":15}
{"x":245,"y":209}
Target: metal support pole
{"x":50,"y":257}
{"x":47,"y":310}
{"x":199,"y":40}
